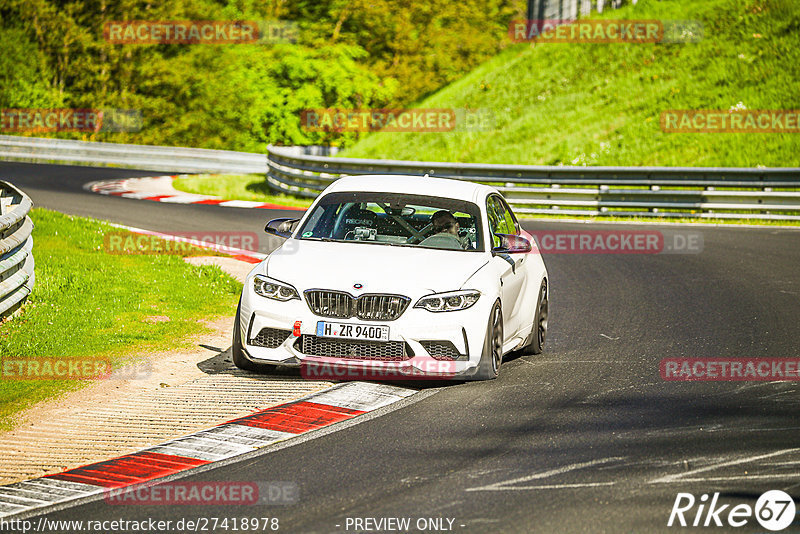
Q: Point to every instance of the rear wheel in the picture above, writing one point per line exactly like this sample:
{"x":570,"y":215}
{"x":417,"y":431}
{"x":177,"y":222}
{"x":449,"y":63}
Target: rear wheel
{"x":237,"y":352}
{"x":492,"y":355}
{"x":538,"y":333}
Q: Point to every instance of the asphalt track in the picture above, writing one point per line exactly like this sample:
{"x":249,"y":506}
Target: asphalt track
{"x":584,"y":438}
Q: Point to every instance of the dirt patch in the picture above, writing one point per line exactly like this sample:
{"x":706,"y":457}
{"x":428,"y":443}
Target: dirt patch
{"x":167,"y":395}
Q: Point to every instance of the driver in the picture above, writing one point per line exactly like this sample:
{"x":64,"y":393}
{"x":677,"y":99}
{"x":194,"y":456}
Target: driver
{"x":445,"y":232}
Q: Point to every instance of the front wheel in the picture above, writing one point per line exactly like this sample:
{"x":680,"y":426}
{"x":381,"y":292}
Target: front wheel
{"x":492,"y":355}
{"x":237,"y":352}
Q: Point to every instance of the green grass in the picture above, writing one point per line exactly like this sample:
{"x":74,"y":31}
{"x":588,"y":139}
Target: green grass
{"x":236,"y":187}
{"x":90,"y":304}
{"x":600,"y":104}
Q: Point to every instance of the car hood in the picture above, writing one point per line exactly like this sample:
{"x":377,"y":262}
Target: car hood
{"x":379,"y":268}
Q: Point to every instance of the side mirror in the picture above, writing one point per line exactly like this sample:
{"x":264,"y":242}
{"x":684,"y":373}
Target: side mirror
{"x":512,"y":244}
{"x":282,"y":227}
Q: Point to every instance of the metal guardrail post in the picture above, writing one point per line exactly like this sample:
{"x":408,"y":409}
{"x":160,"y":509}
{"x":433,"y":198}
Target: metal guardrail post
{"x":16,"y":248}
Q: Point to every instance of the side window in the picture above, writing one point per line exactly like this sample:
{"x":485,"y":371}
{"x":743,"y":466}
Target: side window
{"x":504,"y":220}
{"x":511,"y":221}
{"x":500,"y":220}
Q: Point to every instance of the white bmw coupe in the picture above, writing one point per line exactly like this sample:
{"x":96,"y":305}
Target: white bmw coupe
{"x":429,"y":276}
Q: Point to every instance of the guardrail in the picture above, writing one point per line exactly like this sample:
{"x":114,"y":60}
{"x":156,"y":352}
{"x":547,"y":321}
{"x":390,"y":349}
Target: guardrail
{"x":156,"y":158}
{"x":697,"y":192}
{"x":16,"y":248}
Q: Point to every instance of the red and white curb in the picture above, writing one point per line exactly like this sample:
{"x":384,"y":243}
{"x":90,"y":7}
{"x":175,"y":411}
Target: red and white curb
{"x":228,"y":440}
{"x":248,"y":256}
{"x":159,"y":189}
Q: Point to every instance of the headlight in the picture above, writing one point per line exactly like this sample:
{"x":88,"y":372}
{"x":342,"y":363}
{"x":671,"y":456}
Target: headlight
{"x":451,"y":301}
{"x":273,"y":289}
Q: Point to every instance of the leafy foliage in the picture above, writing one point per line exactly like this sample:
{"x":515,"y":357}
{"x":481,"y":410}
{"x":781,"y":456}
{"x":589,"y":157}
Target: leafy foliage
{"x":349,"y":54}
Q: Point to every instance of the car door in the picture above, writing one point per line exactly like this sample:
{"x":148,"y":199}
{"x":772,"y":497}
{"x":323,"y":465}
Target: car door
{"x":508,"y":266}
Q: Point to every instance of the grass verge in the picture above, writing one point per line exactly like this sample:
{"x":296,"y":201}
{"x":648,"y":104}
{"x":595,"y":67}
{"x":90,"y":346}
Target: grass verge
{"x":89,"y":304}
{"x":236,"y":187}
{"x":601,"y":104}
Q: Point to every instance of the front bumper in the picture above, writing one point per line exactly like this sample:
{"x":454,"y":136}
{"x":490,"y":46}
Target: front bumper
{"x":435,"y":345}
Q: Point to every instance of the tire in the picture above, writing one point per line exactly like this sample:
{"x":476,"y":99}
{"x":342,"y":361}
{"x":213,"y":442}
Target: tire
{"x":237,"y":352}
{"x":536,"y":339}
{"x":492,"y":355}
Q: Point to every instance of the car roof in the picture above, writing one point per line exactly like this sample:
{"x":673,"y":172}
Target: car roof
{"x":417,"y":185}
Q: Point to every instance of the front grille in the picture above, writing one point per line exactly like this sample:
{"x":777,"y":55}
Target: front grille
{"x":381,"y":307}
{"x":270,"y":338}
{"x":386,"y":351}
{"x":374,"y":307}
{"x":330,"y":303}
{"x":441,"y":350}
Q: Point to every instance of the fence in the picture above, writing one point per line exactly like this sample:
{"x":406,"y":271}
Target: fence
{"x":16,"y":248}
{"x":569,"y":9}
{"x":156,"y":158}
{"x":698,"y":192}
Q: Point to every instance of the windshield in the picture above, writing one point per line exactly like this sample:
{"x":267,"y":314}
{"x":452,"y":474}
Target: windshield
{"x":395,"y":219}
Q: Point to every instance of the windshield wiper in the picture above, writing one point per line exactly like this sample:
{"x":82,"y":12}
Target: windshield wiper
{"x":324,"y":239}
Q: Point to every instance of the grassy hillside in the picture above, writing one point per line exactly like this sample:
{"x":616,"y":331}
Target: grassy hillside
{"x":600,"y":104}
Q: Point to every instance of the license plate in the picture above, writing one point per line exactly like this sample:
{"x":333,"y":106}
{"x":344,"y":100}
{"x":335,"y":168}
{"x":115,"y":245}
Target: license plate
{"x":353,"y":331}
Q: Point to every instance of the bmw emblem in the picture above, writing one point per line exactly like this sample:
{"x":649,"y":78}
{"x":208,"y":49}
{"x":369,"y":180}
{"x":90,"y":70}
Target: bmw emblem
{"x":357,"y":286}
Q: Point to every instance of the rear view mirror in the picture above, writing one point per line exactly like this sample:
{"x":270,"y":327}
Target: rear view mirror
{"x":512,"y":244}
{"x":282,"y":227}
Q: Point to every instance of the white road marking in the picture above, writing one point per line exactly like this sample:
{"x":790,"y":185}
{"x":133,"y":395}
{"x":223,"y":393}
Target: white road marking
{"x":561,"y":486}
{"x":184,"y":199}
{"x":792,"y":462}
{"x":606,"y":392}
{"x":246,"y":435}
{"x":740,"y":477}
{"x":502,"y":486}
{"x":681,"y":477}
{"x":362,"y":396}
{"x":572,"y":361}
{"x":39,"y":492}
{"x":241,"y":204}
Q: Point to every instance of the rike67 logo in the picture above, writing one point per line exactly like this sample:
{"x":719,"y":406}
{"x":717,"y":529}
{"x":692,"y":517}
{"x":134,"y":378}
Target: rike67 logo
{"x":774,"y":510}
